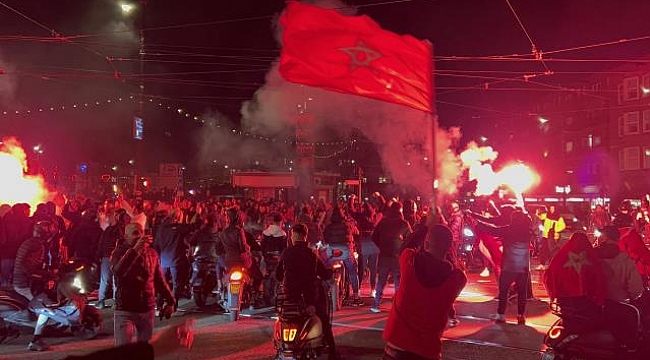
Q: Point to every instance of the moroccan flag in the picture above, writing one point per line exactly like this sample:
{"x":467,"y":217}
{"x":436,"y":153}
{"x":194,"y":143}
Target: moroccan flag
{"x":575,"y":271}
{"x":352,"y":54}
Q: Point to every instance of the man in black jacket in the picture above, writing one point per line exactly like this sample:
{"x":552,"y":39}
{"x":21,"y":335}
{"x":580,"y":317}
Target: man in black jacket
{"x":299,"y":270}
{"x":107,"y":244}
{"x":389,"y":236}
{"x":137,"y":278}
{"x":170,"y":243}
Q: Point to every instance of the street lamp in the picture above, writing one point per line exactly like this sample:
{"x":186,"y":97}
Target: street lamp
{"x":126,"y":8}
{"x":543,"y":120}
{"x":483,"y":139}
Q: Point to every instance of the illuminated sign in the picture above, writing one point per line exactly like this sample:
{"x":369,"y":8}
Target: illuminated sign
{"x":138,"y":128}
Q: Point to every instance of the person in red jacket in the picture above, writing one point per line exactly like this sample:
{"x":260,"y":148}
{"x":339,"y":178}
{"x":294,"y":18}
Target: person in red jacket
{"x":632,"y":244}
{"x":429,"y":285}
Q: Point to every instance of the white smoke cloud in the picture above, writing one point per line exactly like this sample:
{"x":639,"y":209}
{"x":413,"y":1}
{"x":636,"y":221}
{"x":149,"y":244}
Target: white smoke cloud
{"x":217,"y":142}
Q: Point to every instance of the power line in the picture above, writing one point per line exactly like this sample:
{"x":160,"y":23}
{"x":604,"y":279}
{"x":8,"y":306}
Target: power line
{"x":57,"y":35}
{"x":535,"y":51}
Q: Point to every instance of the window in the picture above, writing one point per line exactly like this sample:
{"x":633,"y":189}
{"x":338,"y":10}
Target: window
{"x":631,"y":123}
{"x":629,"y":158}
{"x":568,"y":146}
{"x":646,"y":158}
{"x":631,"y":88}
{"x":646,"y":121}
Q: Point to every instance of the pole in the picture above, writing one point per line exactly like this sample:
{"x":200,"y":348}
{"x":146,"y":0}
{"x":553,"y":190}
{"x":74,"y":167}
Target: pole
{"x":434,"y":132}
{"x":141,"y":53}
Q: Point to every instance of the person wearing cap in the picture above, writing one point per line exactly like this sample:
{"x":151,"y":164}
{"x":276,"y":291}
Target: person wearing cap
{"x":429,"y":285}
{"x":622,"y":278}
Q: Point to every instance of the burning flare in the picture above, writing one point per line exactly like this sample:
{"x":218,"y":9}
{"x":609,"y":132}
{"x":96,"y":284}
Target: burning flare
{"x":15,"y":185}
{"x":518,"y":177}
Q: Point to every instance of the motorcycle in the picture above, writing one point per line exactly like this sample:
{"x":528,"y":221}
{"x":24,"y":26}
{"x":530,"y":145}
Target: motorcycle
{"x":340,"y":289}
{"x":61,"y":306}
{"x":239,"y":293}
{"x":204,"y":280}
{"x":574,"y":336}
{"x":297,"y":335}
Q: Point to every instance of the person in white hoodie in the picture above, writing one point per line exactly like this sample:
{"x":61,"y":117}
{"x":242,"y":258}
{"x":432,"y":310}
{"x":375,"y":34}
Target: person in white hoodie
{"x":274,"y":242}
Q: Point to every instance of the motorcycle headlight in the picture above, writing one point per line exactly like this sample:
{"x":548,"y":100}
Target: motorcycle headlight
{"x":78,"y":284}
{"x":236,"y":276}
{"x":468,"y":232}
{"x":468,"y":247}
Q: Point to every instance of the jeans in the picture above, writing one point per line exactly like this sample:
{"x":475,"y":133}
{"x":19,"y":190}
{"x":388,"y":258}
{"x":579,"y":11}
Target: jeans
{"x":350,"y":265}
{"x":505,"y":280}
{"x":128,"y":324}
{"x":386,"y":265}
{"x":106,"y":279}
{"x":369,"y":257}
{"x":178,"y":279}
{"x":7,"y":271}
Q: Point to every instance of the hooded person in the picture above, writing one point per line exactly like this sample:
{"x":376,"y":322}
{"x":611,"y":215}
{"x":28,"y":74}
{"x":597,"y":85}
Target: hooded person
{"x":631,"y":243}
{"x":429,"y":285}
{"x":575,"y":277}
{"x":622,"y":277}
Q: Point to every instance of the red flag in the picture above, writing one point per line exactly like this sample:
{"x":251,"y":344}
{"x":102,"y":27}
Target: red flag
{"x":576,"y":270}
{"x":352,"y":54}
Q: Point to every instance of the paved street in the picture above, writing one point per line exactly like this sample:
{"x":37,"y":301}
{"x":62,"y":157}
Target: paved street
{"x":357,"y":331}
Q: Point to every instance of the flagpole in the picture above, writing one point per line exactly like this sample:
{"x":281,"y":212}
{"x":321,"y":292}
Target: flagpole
{"x":434,"y":131}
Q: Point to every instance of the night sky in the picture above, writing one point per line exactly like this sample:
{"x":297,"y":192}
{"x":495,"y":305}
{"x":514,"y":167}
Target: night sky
{"x":214,"y":66}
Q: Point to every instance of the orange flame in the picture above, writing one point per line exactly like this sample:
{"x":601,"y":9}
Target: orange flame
{"x":15,"y":185}
{"x":518,"y":177}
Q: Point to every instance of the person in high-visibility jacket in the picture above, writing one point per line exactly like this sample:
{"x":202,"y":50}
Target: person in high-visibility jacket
{"x":553,"y":224}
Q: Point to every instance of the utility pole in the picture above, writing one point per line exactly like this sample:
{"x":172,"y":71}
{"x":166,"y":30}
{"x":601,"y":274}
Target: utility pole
{"x":140,"y":113}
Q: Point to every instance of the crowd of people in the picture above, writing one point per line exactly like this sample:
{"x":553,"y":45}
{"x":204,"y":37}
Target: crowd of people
{"x":144,"y":250}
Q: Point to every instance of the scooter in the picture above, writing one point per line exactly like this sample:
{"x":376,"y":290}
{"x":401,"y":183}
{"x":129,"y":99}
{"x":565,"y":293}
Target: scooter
{"x":238,"y":292}
{"x":60,"y":307}
{"x":576,"y":336}
{"x":204,"y":280}
{"x":340,"y":289}
{"x":297,"y":335}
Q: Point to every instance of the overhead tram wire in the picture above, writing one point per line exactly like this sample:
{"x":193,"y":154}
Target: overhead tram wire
{"x":219,"y":22}
{"x":535,"y":50}
{"x":57,"y":35}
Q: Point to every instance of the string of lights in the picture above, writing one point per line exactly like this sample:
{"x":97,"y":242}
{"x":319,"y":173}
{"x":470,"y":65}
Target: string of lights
{"x":156,"y":101}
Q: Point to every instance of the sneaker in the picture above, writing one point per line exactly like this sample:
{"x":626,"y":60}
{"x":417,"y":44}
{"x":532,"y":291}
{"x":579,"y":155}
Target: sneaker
{"x":375,"y":310}
{"x":38,"y":345}
{"x":373,"y":293}
{"x":499,"y":318}
{"x":521,"y":320}
{"x":452,"y":323}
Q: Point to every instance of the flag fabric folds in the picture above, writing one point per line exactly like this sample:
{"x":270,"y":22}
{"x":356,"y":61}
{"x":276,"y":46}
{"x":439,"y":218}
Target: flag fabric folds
{"x":352,"y":54}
